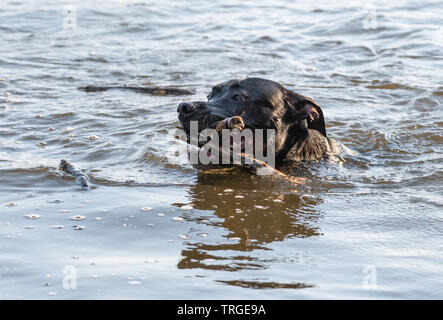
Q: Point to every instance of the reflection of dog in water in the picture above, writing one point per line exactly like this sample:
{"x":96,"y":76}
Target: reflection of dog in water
{"x":252,"y":218}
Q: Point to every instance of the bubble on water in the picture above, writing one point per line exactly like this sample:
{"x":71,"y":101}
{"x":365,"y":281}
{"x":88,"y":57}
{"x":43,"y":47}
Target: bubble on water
{"x":150,"y":224}
{"x":261,"y":207}
{"x":160,"y":214}
{"x":78,"y":217}
{"x":234,"y":239}
{"x":134,"y":282}
{"x":29,"y":227}
{"x":69,"y":129}
{"x":105,"y":210}
{"x":64,"y":211}
{"x":11,"y":204}
{"x":202,"y":234}
{"x":41,"y":144}
{"x":239,"y":196}
{"x":177,"y":218}
{"x":98,"y":218}
{"x":151,"y":261}
{"x":277,"y":200}
{"x":228,"y":190}
{"x":93,"y":137}
{"x":146,"y":209}
{"x":57,"y":227}
{"x":32,"y":216}
{"x":186,"y":207}
{"x":78,"y":227}
{"x":238,"y":210}
{"x":184,"y":236}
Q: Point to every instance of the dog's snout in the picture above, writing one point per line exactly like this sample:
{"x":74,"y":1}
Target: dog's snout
{"x":185,"y":107}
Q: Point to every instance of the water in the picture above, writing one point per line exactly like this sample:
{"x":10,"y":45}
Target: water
{"x":368,"y":228}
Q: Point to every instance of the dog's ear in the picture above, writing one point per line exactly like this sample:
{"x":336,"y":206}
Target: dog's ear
{"x":314,"y":115}
{"x":306,"y":108}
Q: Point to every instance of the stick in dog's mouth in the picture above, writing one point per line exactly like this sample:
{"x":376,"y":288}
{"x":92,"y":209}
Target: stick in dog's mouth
{"x":236,"y":124}
{"x":247,"y":161}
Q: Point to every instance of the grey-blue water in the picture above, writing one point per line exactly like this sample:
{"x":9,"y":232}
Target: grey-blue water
{"x":152,"y":227}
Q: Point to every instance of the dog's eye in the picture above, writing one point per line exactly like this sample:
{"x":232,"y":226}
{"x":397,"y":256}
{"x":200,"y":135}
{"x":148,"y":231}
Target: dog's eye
{"x":239,"y":97}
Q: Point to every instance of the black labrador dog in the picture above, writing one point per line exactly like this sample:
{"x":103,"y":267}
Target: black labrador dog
{"x":256,"y":103}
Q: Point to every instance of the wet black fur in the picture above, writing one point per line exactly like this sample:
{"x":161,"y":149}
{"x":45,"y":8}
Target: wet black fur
{"x":265,"y":104}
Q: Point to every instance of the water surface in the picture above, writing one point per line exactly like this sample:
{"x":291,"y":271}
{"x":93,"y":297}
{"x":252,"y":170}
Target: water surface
{"x":152,"y":227}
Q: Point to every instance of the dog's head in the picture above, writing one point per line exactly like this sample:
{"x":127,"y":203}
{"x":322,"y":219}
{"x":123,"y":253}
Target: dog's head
{"x":256,"y":103}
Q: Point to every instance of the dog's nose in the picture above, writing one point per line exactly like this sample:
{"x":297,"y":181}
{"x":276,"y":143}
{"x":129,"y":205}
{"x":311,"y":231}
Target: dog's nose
{"x":185,"y":107}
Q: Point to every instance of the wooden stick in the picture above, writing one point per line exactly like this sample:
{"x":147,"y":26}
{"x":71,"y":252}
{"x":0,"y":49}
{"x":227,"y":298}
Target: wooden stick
{"x":157,"y":91}
{"x":248,"y":161}
{"x":81,"y":178}
{"x":252,"y":164}
{"x":256,"y":164}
